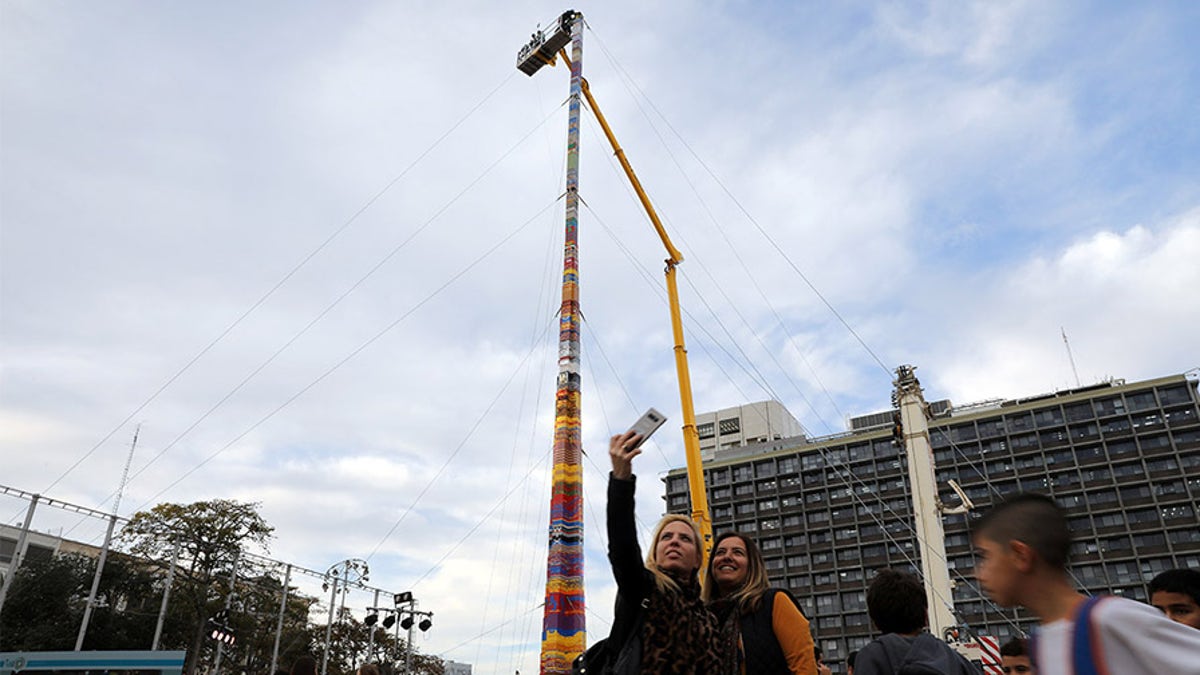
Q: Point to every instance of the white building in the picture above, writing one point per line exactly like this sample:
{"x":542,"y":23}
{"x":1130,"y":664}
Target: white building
{"x":456,"y":668}
{"x":38,"y":546}
{"x":743,"y":425}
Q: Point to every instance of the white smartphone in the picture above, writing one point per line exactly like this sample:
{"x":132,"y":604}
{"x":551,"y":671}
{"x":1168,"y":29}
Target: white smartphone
{"x":648,"y":423}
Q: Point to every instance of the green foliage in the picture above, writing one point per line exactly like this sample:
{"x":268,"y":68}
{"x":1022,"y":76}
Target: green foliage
{"x":209,"y":535}
{"x":45,"y":605}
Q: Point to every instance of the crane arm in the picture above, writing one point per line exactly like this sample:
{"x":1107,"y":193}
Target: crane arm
{"x":691,"y":439}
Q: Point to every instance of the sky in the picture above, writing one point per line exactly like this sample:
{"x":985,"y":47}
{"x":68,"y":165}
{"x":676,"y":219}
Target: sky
{"x":313,"y":250}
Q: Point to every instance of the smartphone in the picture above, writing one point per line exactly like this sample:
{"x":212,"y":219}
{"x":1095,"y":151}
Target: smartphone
{"x":648,"y":423}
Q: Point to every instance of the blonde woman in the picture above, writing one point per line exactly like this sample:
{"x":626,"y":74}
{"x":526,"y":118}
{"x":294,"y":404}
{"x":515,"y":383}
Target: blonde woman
{"x":773,"y":637}
{"x":661,"y":624}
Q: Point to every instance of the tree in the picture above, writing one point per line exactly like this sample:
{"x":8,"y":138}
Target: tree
{"x":46,"y":603}
{"x":210,"y":535}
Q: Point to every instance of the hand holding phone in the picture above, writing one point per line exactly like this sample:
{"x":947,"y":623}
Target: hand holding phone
{"x":647,"y":424}
{"x":622,"y":448}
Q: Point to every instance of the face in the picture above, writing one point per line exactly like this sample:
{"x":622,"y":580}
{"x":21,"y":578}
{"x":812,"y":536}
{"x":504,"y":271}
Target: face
{"x":997,"y":571}
{"x":1016,"y":665}
{"x":730,"y":564}
{"x":676,"y":550}
{"x":1178,"y":607}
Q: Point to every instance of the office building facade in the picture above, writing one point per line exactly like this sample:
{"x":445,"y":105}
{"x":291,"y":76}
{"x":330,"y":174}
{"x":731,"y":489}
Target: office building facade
{"x":1122,"y":458}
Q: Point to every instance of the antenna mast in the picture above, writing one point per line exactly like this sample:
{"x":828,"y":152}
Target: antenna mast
{"x":125,"y":473}
{"x":1070,"y":356}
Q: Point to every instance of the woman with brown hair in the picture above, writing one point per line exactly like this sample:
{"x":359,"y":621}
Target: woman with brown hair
{"x":661,"y":624}
{"x":772,"y":635}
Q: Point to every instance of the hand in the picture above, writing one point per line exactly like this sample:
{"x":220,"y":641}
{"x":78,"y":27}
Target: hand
{"x":622,"y":448}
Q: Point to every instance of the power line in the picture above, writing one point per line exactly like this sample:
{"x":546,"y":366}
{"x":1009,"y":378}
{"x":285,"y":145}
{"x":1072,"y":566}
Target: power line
{"x":352,"y":354}
{"x":286,"y":277}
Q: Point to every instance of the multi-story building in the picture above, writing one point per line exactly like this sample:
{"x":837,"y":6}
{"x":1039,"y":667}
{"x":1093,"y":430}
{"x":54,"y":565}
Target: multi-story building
{"x":1122,"y":458}
{"x":743,"y":425}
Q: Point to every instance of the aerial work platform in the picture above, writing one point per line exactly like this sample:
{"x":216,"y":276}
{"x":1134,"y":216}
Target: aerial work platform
{"x":542,"y":50}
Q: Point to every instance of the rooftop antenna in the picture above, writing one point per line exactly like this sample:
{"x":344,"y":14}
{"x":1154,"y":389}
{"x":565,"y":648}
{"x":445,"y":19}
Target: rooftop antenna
{"x":1070,"y":356}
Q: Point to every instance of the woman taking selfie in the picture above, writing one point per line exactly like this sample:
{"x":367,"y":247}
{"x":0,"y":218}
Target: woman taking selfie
{"x":773,"y":637}
{"x":661,"y":624}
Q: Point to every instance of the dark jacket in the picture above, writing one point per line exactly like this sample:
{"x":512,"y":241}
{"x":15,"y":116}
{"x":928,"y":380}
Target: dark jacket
{"x":634,"y":581}
{"x":892,"y":654}
{"x":761,"y":650}
{"x":684,"y":632}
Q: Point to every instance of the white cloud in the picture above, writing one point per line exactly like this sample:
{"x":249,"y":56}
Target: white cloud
{"x":163,"y":168}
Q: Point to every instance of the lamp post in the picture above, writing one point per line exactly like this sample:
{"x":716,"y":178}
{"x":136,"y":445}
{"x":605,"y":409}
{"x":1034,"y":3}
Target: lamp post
{"x":346,"y":572}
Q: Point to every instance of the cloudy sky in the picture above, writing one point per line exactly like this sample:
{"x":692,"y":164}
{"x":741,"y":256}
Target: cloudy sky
{"x":314,"y":248}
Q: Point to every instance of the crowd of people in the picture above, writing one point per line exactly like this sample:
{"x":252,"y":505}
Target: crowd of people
{"x":734,"y":623}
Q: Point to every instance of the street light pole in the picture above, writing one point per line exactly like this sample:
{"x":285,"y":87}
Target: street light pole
{"x":351,"y":571}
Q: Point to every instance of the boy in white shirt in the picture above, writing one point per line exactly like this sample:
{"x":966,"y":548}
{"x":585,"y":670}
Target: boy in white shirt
{"x":1022,"y":547}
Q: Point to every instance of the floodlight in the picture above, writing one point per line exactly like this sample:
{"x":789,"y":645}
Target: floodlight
{"x":406,"y":622}
{"x":389,"y":621}
{"x":370,"y":619}
{"x":425,"y":625}
{"x":403,"y":598}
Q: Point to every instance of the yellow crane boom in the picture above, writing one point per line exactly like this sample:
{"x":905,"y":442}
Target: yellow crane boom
{"x":691,"y":439}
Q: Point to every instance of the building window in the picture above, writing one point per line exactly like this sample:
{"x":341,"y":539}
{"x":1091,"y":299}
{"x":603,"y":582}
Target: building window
{"x":705,"y":430}
{"x":1178,"y":394}
{"x":1109,"y":406}
{"x":730,"y":426}
{"x":1143,"y":400}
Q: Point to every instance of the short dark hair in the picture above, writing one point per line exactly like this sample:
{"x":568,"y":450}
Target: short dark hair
{"x":1032,"y":519}
{"x":896,"y":602}
{"x":1017,"y":646}
{"x":850,"y":658}
{"x":1183,"y":581}
{"x":305,"y":665}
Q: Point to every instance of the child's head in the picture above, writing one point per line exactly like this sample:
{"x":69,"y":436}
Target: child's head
{"x":1014,"y":657}
{"x":896,"y":602}
{"x":1021,"y":535}
{"x":1177,"y":594}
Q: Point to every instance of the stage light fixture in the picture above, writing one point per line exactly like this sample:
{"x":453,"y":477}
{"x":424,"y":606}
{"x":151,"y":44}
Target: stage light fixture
{"x":370,"y":619}
{"x":389,"y":621}
{"x":425,"y":625}
{"x":406,"y":622}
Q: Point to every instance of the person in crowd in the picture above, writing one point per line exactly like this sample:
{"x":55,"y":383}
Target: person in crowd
{"x":305,"y":665}
{"x":367,"y":669}
{"x":897,"y":606}
{"x":1023,"y":548}
{"x":771,"y":634}
{"x":1176,"y":593}
{"x":850,"y":661}
{"x":659,"y":606}
{"x":822,"y":669}
{"x":1014,"y":657}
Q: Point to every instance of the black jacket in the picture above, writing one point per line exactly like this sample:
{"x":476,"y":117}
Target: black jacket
{"x":634,"y":581}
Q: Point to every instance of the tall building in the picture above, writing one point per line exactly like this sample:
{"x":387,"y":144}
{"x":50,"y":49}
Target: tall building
{"x":743,"y":425}
{"x":1122,"y":458}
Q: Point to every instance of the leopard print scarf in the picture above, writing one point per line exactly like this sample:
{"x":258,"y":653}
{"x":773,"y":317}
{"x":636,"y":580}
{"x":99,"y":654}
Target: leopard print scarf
{"x":682,"y":637}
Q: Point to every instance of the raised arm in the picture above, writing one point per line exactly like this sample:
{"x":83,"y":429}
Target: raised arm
{"x":623,"y":551}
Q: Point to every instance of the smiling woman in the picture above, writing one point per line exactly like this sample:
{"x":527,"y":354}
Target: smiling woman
{"x":661,"y":624}
{"x":773,"y":636}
